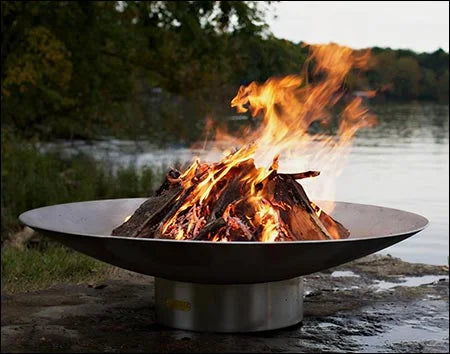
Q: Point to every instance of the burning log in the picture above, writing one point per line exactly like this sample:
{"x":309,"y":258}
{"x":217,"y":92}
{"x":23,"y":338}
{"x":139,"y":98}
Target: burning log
{"x":232,"y":202}
{"x":301,"y":175}
{"x":171,"y":178}
{"x":210,"y":228}
{"x":149,"y":213}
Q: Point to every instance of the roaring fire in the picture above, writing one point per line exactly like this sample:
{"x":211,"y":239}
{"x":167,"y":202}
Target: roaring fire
{"x":287,"y":107}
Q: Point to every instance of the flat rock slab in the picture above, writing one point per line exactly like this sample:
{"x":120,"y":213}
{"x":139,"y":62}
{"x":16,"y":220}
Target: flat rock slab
{"x":375,"y":304}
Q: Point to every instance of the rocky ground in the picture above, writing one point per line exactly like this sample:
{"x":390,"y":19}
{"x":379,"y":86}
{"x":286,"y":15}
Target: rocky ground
{"x":376,"y":304}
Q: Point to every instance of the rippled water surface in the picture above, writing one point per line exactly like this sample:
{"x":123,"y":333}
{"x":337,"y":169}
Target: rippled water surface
{"x":402,"y":163}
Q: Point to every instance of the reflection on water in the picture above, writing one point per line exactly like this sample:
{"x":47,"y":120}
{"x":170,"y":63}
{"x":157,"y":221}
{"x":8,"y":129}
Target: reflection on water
{"x":403,"y":163}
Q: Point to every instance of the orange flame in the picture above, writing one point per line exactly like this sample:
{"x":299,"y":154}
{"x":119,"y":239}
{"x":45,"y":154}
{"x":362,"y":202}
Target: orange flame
{"x":288,"y":107}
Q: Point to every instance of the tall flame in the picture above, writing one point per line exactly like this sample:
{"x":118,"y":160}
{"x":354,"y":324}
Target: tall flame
{"x":288,"y":107}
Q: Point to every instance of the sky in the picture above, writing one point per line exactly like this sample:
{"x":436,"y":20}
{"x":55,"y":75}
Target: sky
{"x":422,"y":26}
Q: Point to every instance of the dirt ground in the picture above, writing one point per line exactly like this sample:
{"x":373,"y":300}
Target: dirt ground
{"x":376,"y":304}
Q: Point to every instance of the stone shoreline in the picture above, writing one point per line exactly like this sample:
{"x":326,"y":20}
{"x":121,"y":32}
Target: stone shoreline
{"x":375,"y":304}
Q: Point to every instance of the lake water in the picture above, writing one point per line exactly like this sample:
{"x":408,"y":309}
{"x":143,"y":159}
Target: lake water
{"x":402,"y":163}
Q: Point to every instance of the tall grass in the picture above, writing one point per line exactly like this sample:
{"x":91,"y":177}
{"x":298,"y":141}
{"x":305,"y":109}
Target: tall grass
{"x":31,"y":179}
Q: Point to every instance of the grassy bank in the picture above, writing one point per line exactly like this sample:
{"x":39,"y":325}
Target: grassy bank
{"x":31,"y":179}
{"x":32,"y":269}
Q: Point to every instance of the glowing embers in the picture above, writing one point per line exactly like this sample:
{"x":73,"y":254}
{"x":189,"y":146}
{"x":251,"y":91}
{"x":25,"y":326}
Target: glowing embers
{"x":232,"y":202}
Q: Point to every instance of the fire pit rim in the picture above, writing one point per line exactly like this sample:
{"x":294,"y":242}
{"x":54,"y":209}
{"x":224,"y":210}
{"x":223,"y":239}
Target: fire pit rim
{"x":23,"y":219}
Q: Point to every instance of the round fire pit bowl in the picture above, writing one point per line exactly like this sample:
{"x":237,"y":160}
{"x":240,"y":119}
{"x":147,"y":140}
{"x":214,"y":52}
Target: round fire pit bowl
{"x":222,"y":286}
{"x":86,"y":227}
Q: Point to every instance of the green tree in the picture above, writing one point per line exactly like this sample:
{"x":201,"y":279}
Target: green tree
{"x":428,"y":85}
{"x":71,"y":68}
{"x":381,"y":75}
{"x":407,"y":78}
{"x":436,"y":61}
{"x":64,"y":66}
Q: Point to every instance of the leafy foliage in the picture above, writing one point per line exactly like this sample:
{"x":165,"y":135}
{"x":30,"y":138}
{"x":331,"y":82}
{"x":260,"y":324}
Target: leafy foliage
{"x":158,"y":68}
{"x":58,"y":76}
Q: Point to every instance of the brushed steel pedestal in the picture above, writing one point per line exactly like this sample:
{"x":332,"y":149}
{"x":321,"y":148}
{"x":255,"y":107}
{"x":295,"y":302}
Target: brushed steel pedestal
{"x":229,"y":307}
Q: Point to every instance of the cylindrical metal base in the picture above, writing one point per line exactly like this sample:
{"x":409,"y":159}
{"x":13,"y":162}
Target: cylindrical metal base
{"x":229,"y":308}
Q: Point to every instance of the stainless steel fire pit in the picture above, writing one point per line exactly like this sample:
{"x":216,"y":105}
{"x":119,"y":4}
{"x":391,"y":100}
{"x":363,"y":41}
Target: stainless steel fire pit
{"x":224,"y":287}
